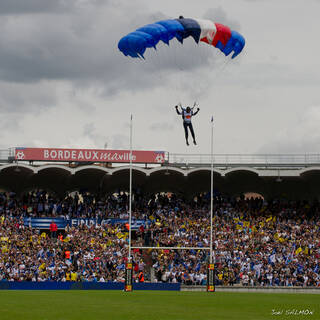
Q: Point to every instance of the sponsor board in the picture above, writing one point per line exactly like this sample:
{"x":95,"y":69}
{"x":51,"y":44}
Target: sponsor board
{"x":88,"y":155}
{"x":44,"y":223}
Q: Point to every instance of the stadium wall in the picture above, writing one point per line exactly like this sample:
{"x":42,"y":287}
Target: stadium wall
{"x":51,"y":285}
{"x":315,"y":290}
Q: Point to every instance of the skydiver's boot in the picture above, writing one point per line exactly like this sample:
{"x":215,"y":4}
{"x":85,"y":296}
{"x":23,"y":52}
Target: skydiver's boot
{"x":187,"y":142}
{"x":194,"y":142}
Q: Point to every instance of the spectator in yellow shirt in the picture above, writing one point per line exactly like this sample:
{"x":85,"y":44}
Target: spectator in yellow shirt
{"x":74,"y":276}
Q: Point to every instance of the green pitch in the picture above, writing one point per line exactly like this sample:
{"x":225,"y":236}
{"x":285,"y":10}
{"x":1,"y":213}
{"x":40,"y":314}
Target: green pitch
{"x":156,"y":305}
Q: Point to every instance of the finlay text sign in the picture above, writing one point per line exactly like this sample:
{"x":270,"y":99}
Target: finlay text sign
{"x":88,"y":155}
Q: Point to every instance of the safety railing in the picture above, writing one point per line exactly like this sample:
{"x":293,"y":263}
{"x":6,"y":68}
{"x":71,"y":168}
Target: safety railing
{"x":263,"y":160}
{"x":7,"y":155}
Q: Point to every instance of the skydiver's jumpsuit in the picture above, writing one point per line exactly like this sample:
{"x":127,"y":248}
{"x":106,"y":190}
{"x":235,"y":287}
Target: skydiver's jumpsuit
{"x":186,"y":116}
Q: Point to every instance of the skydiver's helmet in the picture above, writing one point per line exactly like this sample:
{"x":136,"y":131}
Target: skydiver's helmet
{"x":181,"y":17}
{"x":188,"y":109}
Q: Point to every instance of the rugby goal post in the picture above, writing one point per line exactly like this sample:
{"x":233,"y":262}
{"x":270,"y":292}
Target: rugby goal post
{"x":210,"y":268}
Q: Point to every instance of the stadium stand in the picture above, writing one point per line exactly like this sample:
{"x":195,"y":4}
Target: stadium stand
{"x":256,"y":242}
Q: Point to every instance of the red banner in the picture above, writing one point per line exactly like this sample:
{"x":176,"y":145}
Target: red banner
{"x":88,"y":155}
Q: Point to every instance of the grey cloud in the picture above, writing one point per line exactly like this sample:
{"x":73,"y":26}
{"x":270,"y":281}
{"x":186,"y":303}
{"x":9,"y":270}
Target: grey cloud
{"x":33,"y":49}
{"x":118,"y":141}
{"x":299,"y":137}
{"x":161,"y":126}
{"x":91,"y":132}
{"x":20,"y":7}
{"x":219,"y":15}
{"x":89,"y":129}
{"x":277,"y":74}
{"x":20,"y":97}
{"x":34,"y":6}
{"x":8,"y":123}
{"x":81,"y":46}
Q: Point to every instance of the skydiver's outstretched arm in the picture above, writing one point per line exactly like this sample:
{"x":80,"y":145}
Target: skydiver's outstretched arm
{"x":196,"y":112}
{"x":178,"y":112}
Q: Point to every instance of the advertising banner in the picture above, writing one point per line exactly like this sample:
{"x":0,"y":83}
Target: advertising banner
{"x":88,"y":155}
{"x":210,"y":278}
{"x":128,"y":278}
{"x":44,"y":223}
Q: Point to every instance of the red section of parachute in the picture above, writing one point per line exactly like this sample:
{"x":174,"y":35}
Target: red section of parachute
{"x":204,"y":39}
{"x":223,"y":34}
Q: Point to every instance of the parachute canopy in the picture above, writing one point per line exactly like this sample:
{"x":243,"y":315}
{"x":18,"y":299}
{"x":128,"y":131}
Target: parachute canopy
{"x":218,"y":35}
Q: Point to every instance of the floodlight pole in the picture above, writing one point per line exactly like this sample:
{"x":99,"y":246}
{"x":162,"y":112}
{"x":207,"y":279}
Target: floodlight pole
{"x":130,"y":191}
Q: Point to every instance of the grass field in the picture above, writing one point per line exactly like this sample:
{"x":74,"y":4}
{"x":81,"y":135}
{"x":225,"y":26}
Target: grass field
{"x":158,"y":305}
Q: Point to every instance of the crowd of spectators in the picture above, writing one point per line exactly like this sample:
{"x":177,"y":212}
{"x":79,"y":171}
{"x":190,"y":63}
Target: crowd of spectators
{"x":255,"y":242}
{"x":84,"y":253}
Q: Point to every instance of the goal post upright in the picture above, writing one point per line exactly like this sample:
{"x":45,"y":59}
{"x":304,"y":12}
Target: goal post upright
{"x":129,"y":264}
{"x":130,"y":191}
{"x":211,"y":269}
{"x":211,"y":195}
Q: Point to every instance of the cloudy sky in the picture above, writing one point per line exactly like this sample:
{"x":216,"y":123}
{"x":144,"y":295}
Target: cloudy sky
{"x":64,"y":83}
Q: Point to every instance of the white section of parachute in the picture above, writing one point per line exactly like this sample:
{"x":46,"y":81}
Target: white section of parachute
{"x":208,"y":29}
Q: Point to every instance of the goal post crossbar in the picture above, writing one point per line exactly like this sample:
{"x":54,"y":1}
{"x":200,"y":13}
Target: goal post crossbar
{"x":173,"y":248}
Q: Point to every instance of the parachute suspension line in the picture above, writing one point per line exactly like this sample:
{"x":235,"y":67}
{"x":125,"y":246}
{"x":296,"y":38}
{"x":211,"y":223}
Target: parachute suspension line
{"x":151,"y":64}
{"x":214,"y":62}
{"x":188,"y":72}
{"x":172,"y":75}
{"x":138,"y":43}
{"x":221,"y":68}
{"x":212,"y":84}
{"x":157,"y":60}
{"x":174,"y":72}
{"x":181,"y":55}
{"x":200,"y":84}
{"x":210,"y":56}
{"x":170,"y":57}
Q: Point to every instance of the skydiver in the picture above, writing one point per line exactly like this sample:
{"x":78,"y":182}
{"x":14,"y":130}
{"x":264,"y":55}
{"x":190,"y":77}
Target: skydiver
{"x":187,"y":113}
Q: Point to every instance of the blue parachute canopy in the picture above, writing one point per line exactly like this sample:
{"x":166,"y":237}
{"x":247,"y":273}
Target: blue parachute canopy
{"x":135,"y":43}
{"x":235,"y":44}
